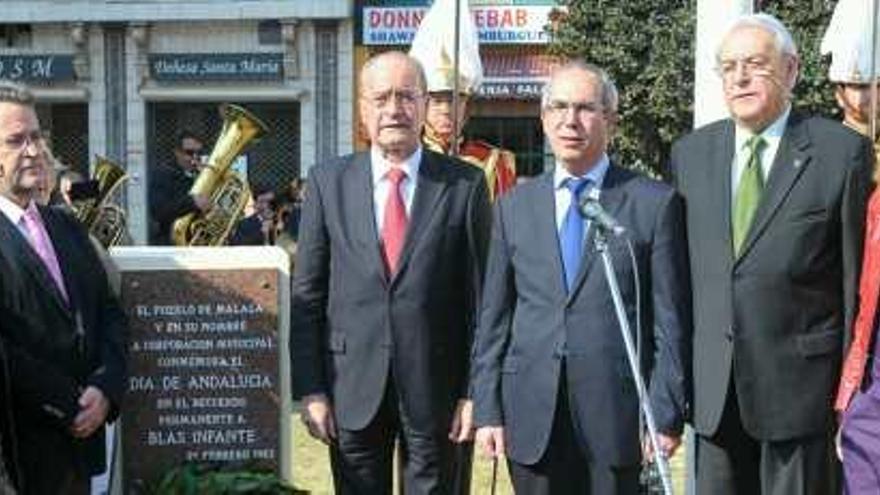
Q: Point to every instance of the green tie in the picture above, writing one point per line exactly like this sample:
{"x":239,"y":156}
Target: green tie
{"x":748,"y":194}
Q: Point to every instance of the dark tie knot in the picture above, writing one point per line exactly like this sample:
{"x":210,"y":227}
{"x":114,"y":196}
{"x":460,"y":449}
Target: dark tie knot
{"x":395,"y":176}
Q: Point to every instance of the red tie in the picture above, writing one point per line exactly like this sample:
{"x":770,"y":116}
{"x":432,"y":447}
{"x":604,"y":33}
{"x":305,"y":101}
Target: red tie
{"x":394,"y":222}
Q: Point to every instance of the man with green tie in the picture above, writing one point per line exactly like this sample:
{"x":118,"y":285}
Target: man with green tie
{"x":775,"y":205}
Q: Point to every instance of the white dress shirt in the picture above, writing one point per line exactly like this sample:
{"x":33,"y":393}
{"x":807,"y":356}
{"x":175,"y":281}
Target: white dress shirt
{"x":14,"y":213}
{"x":379,"y":168}
{"x":562,"y":194}
{"x":772,"y":134}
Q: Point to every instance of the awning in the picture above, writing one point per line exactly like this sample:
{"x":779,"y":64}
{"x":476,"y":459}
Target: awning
{"x":517,"y":74}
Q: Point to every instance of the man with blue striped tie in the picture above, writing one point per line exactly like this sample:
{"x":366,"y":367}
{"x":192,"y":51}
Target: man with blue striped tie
{"x":552,"y":387}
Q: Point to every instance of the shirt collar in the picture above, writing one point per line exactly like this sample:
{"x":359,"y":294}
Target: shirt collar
{"x":596,"y":174}
{"x":772,"y":132}
{"x":379,"y":166}
{"x":12,"y":211}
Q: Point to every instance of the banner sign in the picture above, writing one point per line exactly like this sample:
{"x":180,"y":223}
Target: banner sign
{"x":496,"y":24}
{"x":217,"y":67}
{"x":37,"y":68}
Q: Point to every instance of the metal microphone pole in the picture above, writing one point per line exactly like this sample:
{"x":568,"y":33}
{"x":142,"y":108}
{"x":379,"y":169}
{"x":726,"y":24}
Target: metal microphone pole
{"x":601,"y":241}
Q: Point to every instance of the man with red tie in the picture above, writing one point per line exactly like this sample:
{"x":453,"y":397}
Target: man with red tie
{"x":62,"y":329}
{"x":385,"y":290}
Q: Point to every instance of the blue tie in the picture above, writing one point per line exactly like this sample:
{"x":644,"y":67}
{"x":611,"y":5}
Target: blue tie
{"x":571,"y":233}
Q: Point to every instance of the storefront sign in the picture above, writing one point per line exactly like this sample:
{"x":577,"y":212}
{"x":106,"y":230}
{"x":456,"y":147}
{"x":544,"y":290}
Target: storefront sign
{"x":496,"y":24}
{"x":37,"y":68}
{"x":510,"y":90}
{"x":217,"y":67}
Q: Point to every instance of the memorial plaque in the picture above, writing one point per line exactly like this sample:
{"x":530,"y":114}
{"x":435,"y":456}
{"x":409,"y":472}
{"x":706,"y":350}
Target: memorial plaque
{"x":205,"y":370}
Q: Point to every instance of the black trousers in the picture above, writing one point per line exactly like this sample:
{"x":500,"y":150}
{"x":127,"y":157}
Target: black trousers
{"x":362,"y":460}
{"x":731,"y":462}
{"x":564,"y":470}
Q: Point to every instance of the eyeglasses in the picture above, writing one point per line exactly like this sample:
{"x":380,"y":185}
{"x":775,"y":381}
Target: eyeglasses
{"x":18,"y":142}
{"x":404,"y":97}
{"x":755,"y":65}
{"x":558,"y":108}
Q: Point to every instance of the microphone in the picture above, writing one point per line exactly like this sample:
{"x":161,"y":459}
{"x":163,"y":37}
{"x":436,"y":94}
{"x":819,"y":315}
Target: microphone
{"x":592,"y":210}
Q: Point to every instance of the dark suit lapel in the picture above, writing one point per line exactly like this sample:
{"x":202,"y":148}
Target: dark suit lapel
{"x":66,"y":255}
{"x":429,"y":189}
{"x":544,"y":220}
{"x":792,"y":158}
{"x":611,"y":198}
{"x":10,"y":236}
{"x":361,"y":212}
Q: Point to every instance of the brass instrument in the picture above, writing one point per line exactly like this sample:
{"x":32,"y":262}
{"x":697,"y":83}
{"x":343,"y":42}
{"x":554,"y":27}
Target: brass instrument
{"x":227,"y":191}
{"x":104,"y":219}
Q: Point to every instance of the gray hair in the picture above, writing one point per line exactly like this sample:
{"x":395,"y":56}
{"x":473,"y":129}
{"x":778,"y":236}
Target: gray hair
{"x":609,"y":90}
{"x":373,"y":62}
{"x":781,"y":35}
{"x":11,"y":92}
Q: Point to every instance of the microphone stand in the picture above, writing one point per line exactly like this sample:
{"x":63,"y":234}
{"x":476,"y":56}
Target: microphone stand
{"x":601,"y":242}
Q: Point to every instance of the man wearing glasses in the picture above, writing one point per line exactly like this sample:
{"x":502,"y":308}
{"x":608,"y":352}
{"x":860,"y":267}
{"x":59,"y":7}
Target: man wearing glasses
{"x":169,"y":187}
{"x":385,"y":290}
{"x":62,"y":329}
{"x":775,"y":205}
{"x":552,"y":387}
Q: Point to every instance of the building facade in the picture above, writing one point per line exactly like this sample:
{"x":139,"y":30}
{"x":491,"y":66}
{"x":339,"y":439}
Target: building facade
{"x":121,"y":78}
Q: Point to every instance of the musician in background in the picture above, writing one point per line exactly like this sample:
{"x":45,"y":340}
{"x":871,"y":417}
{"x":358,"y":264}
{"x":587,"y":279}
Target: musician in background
{"x":169,"y":188}
{"x":259,"y":228}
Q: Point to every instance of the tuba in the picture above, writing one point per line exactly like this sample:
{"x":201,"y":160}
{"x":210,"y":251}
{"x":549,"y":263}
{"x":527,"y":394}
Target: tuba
{"x":104,"y":219}
{"x":228,"y":192}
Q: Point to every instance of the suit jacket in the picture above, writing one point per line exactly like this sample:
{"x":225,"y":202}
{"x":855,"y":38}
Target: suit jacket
{"x":169,"y":200}
{"x":9,"y":469}
{"x":248,"y":232}
{"x":352,"y":327}
{"x":776,"y":317}
{"x":530,"y":325}
{"x":55,"y":349}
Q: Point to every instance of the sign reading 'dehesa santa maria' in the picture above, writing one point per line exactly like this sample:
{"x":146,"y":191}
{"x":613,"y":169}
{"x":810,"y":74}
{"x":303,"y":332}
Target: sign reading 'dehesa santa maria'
{"x":208,"y":367}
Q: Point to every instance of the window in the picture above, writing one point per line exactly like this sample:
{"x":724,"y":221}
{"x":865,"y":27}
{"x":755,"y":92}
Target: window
{"x":15,"y":36}
{"x":269,"y":32}
{"x":521,"y":135}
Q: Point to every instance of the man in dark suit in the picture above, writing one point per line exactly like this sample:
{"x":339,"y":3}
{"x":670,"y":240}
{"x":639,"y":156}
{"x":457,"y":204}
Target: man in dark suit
{"x":775,"y":203}
{"x":552,"y":386}
{"x":391,"y":248}
{"x":9,"y":471}
{"x":170,"y":184}
{"x":62,"y":329}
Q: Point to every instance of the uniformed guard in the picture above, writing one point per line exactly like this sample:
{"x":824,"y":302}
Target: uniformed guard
{"x":848,"y":40}
{"x":434,"y":47}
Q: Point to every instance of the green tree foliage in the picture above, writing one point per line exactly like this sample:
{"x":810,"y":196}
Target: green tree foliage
{"x":807,"y":21}
{"x":648,"y":46}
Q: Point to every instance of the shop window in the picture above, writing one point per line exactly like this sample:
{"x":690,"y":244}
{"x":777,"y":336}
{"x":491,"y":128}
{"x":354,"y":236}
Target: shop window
{"x":271,"y":162}
{"x":15,"y":36}
{"x":269,"y":32}
{"x":67,"y":127}
{"x":522,"y":135}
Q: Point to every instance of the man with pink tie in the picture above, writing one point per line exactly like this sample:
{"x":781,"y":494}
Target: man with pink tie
{"x":62,"y":329}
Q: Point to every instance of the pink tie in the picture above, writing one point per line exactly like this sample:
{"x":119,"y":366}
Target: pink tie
{"x":39,"y":240}
{"x":394,"y":222}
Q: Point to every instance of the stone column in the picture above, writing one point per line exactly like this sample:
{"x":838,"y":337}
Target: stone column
{"x":713,"y":17}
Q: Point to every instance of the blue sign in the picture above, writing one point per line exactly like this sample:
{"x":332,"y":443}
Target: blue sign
{"x":217,"y":67}
{"x":37,"y":68}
